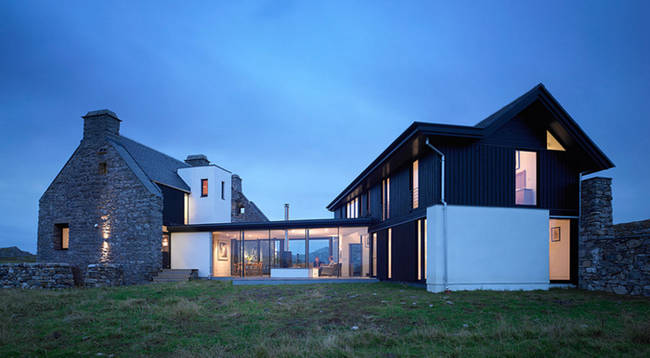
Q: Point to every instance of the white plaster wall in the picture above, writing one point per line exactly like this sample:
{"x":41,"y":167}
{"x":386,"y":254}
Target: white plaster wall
{"x":209,"y":209}
{"x":488,"y":248}
{"x":191,"y":250}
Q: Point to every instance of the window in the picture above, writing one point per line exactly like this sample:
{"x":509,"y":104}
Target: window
{"x":419,"y":229}
{"x":102,"y":168}
{"x":204,"y":187}
{"x":390,"y":254}
{"x":374,"y":254}
{"x":352,"y":209}
{"x":186,"y":208}
{"x":525,"y":178}
{"x":415,"y":191}
{"x":552,"y":143}
{"x":223,"y":190}
{"x":61,"y":236}
{"x":385,"y":199}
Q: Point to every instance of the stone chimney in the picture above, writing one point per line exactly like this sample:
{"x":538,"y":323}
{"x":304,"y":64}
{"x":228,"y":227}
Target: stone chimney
{"x":596,"y":209}
{"x":99,"y":123}
{"x":197,"y":160}
{"x":236,"y":183}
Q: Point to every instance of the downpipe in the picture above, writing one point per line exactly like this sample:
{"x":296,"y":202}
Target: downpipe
{"x":445,"y":277}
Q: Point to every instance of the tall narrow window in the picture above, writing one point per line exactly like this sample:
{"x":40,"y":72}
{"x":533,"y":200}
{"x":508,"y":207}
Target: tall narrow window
{"x":415,"y":192}
{"x":352,"y":208}
{"x":223,"y":190}
{"x":61,"y":236}
{"x":186,"y":208}
{"x":204,"y":187}
{"x":374,"y":254}
{"x":525,"y":178}
{"x":424,"y":260}
{"x":385,"y":199}
{"x":390,"y":254}
{"x":102,"y":168}
{"x":419,"y":228}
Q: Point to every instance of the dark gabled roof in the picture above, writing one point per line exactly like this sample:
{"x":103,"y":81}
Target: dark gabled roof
{"x":150,"y":165}
{"x":270,"y":225}
{"x":484,"y":128}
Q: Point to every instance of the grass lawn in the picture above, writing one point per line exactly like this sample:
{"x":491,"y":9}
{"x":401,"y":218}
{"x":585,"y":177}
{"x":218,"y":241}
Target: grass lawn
{"x":214,"y":319}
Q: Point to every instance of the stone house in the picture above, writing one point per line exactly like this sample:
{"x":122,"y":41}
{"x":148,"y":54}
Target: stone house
{"x":114,"y":198}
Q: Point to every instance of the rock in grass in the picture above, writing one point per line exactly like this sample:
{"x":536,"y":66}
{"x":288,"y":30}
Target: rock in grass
{"x":354,"y":328}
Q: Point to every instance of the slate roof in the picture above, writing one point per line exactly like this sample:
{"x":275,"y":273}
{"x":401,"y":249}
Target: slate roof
{"x":150,"y":165}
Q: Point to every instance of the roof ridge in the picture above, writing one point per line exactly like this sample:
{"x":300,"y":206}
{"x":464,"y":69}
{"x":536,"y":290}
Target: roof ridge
{"x":485,"y":122}
{"x":150,"y":148}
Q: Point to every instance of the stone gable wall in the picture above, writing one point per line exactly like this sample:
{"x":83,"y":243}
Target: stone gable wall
{"x":613,"y":258}
{"x":112,"y":217}
{"x":251,"y":212}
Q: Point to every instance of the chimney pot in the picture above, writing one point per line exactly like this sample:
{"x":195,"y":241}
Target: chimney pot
{"x":197,"y":160}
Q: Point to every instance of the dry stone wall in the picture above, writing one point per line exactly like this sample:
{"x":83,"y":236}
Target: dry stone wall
{"x":36,"y":275}
{"x":612,"y":258}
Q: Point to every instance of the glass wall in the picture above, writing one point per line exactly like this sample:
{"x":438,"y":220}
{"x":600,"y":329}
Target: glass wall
{"x":525,"y":178}
{"x":325,"y":252}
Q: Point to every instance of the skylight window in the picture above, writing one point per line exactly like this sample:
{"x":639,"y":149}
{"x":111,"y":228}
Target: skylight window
{"x":552,"y":143}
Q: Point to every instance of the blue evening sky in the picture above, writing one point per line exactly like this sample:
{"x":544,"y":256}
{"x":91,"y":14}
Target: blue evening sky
{"x":297,"y":97}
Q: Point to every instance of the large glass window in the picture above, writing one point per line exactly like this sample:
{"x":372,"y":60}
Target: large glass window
{"x":374,"y":254}
{"x":256,"y":252}
{"x":525,"y":178}
{"x":225,"y":253}
{"x":352,"y":208}
{"x":297,"y":247}
{"x":390,"y":253}
{"x":352,"y":251}
{"x":322,"y":244}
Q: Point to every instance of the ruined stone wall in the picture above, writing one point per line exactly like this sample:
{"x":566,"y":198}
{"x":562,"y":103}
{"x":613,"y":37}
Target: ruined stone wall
{"x":36,"y":275}
{"x":250,"y":212}
{"x":613,"y":258}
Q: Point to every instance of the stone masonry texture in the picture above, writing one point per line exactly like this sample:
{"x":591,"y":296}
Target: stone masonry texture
{"x":612,"y":258}
{"x":112,"y":217}
{"x":36,"y":275}
{"x":251,"y":212}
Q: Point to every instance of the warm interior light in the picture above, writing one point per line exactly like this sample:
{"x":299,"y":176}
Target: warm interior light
{"x":552,"y":143}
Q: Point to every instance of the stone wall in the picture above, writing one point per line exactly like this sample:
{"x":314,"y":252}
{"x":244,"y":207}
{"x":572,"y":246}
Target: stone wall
{"x":251,"y":213}
{"x":613,"y":258}
{"x":36,"y":275}
{"x":104,"y":275}
{"x":112,"y":216}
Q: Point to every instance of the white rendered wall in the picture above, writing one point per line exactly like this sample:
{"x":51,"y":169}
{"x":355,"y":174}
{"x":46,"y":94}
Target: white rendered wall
{"x":191,"y":250}
{"x":209,"y":209}
{"x":488,"y":248}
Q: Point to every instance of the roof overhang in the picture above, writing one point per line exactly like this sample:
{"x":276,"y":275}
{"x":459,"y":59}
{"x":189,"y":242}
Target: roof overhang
{"x":483,"y":129}
{"x":273,"y":225}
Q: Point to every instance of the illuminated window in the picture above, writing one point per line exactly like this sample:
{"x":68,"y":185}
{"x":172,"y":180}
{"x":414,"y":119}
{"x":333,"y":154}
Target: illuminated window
{"x":186,"y":209}
{"x":419,"y":225}
{"x":204,"y":187}
{"x":374,"y":254}
{"x":385,"y":199}
{"x":415,"y":191}
{"x":552,"y":143}
{"x":61,"y":236}
{"x":352,"y":209}
{"x":424,"y":259}
{"x":525,"y":178}
{"x":102,"y":168}
{"x":390,"y":239}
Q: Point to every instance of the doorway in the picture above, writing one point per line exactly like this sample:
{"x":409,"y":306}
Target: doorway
{"x":355,"y":260}
{"x":559,"y":249}
{"x":166,"y":262}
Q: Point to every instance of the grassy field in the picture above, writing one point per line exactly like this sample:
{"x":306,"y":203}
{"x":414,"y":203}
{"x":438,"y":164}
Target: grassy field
{"x":216,"y":319}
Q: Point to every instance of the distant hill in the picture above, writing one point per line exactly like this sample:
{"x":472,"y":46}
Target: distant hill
{"x":14,"y":254}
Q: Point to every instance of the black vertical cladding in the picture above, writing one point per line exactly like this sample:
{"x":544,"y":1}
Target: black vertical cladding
{"x":400,"y":195}
{"x":375,"y":201}
{"x":404,"y":252}
{"x":173,"y":206}
{"x":558,"y":182}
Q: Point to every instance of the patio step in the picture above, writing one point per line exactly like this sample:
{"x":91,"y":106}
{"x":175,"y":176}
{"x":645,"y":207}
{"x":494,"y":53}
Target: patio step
{"x":176,"y":275}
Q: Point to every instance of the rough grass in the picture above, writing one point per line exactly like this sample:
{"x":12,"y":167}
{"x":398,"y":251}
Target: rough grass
{"x":216,"y":319}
